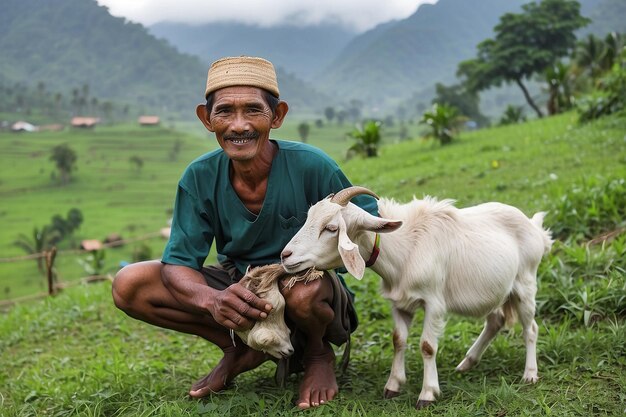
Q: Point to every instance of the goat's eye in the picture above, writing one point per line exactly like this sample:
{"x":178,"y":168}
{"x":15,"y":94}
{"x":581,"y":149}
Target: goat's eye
{"x":331,"y":227}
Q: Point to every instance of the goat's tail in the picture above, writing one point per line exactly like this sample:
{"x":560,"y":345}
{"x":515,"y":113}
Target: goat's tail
{"x":509,"y":311}
{"x":546,"y":234}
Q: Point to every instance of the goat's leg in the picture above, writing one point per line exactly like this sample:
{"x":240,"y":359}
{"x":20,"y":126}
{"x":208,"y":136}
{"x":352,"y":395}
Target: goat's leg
{"x":525,"y":305}
{"x":493,"y":324}
{"x":433,"y":328}
{"x":397,"y":377}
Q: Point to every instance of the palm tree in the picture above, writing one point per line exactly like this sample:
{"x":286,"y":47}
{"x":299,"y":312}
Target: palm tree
{"x":367,"y":139}
{"x":512,"y":114}
{"x":444,"y":121}
{"x":614,"y":43}
{"x":37,"y":243}
{"x":588,"y":55}
{"x":559,"y":88}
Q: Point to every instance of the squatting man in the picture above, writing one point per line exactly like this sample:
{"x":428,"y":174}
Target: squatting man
{"x":249,"y":198}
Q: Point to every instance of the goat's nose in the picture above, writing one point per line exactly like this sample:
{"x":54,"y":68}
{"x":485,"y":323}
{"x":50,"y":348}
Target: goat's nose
{"x":285,"y":254}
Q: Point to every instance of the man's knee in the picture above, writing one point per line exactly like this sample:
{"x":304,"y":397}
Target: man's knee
{"x":122,"y":288}
{"x":129,"y":281}
{"x":306,"y":300}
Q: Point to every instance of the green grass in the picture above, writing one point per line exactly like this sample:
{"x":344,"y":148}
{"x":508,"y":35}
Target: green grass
{"x":75,"y":354}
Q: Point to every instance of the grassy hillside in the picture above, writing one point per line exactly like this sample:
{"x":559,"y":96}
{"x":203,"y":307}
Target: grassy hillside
{"x":75,"y":354}
{"x":528,"y":165}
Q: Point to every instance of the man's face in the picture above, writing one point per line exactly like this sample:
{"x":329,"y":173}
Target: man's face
{"x":241,"y":120}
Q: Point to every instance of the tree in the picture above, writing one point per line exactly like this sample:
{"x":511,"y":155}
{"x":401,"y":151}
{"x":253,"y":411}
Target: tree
{"x":614,"y":44}
{"x":512,"y":114}
{"x":136,"y":162}
{"x":588,"y":55}
{"x":610,"y":96}
{"x":176,"y":148}
{"x":341,"y":117}
{"x":465,"y":101}
{"x":525,"y":44}
{"x":367,"y":139}
{"x":444,"y":122}
{"x":303,"y":130}
{"x":39,"y":241}
{"x":559,"y":88}
{"x":65,"y":159}
{"x":329,"y":113}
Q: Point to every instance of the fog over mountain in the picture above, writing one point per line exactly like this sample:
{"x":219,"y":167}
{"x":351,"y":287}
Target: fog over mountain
{"x":70,"y":44}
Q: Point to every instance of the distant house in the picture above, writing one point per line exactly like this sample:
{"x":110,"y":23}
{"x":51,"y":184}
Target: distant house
{"x":91,"y":244}
{"x":22,"y":126}
{"x":85,"y":122}
{"x":149,"y":120}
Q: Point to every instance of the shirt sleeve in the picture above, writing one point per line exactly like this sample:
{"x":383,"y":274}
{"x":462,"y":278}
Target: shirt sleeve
{"x":191,"y":233}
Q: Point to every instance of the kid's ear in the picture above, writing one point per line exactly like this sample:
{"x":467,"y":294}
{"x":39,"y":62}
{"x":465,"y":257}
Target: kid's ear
{"x":349,"y":252}
{"x":203,"y":115}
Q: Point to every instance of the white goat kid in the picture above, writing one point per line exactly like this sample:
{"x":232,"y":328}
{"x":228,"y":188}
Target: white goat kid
{"x":477,"y":261}
{"x":271,"y":335}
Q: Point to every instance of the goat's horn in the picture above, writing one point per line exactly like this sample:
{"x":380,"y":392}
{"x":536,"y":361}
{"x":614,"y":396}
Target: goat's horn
{"x":344,"y":196}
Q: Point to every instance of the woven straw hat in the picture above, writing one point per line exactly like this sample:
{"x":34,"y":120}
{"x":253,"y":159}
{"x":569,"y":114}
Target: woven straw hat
{"x":242,"y":70}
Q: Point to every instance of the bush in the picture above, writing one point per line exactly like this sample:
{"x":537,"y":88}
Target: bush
{"x":611,"y":95}
{"x":589,"y":210}
{"x":586,"y":282}
{"x":142,"y":252}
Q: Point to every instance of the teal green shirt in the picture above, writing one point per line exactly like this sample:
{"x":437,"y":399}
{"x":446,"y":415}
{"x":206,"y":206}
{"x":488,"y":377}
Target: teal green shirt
{"x":208,"y":210}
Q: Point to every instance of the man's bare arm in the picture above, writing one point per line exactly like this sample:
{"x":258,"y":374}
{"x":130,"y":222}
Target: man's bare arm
{"x":235,"y":307}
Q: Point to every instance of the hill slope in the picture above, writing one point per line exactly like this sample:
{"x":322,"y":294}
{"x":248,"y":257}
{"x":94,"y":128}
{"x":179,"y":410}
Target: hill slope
{"x":66,"y":44}
{"x":301,"y":50}
{"x":70,"y":43}
{"x":395,"y":60}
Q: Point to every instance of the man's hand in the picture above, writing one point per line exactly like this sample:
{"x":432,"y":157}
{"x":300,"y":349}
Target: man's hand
{"x":238,"y":308}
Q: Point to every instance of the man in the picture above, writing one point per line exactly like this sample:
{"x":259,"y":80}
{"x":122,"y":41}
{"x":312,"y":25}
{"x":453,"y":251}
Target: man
{"x":250,"y":197}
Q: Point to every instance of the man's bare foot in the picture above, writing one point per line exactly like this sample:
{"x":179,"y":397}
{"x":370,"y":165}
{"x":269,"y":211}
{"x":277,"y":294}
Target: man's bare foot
{"x":319,"y":384}
{"x":235,"y":361}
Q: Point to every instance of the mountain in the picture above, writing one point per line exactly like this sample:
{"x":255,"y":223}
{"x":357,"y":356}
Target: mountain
{"x":71,"y":43}
{"x":299,"y":50}
{"x":606,"y":16}
{"x":66,"y":45}
{"x":392,"y":61}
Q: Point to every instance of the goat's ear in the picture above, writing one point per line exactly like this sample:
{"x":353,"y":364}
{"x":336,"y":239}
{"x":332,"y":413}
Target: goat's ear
{"x":349,"y":252}
{"x":379,"y":225}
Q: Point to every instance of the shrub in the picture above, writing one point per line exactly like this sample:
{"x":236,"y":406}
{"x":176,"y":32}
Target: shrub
{"x":589,"y":209}
{"x":611,"y":95}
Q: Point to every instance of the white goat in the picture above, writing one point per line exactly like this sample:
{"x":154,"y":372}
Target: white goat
{"x":476,"y":261}
{"x":271,"y":335}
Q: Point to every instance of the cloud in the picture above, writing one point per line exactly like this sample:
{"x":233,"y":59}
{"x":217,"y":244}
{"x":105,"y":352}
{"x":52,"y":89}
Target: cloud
{"x":359,"y":15}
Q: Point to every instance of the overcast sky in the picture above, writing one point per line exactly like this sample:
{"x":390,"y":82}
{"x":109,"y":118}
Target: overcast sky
{"x":356,"y":14}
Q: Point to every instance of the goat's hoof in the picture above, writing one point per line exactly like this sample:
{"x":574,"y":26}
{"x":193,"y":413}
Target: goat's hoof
{"x":466,"y":364}
{"x":423,"y":404}
{"x":531,"y":377}
{"x":390,"y":394}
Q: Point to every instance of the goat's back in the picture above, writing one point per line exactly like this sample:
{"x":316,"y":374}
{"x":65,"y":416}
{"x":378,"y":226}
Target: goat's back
{"x":472,"y":256}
